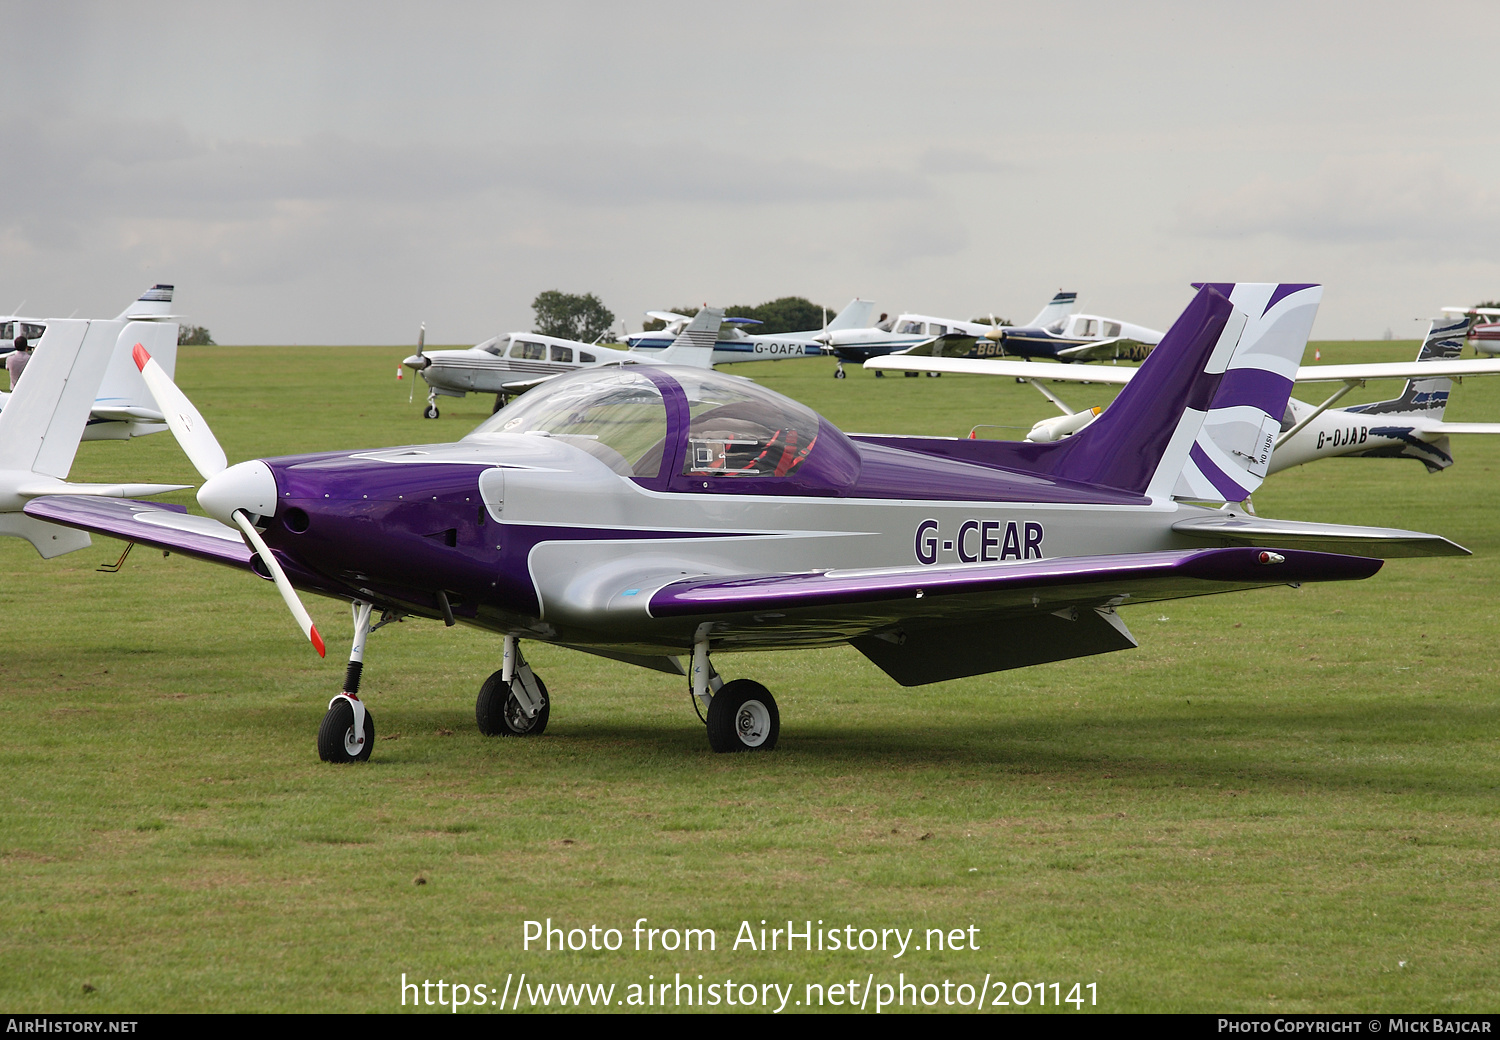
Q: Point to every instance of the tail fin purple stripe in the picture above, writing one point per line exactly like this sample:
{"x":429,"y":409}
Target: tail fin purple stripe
{"x":1221,"y":481}
{"x":1123,"y":447}
{"x":1254,"y":387}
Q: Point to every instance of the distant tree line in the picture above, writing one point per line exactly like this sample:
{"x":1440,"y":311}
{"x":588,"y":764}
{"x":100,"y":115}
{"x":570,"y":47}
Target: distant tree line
{"x":567,"y":316}
{"x":193,"y":336}
{"x":787,"y":314}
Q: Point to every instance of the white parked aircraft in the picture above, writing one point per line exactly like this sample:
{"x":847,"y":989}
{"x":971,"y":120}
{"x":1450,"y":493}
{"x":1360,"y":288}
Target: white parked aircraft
{"x":735,"y":344}
{"x":1054,"y":333}
{"x":508,"y":365}
{"x":1408,"y":426}
{"x":44,"y":422}
{"x":123,"y":407}
{"x":1484,"y":336}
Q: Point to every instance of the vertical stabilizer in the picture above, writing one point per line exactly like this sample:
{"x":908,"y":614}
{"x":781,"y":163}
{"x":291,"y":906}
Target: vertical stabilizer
{"x":1426,"y":397}
{"x":1142,"y":441}
{"x":1060,"y":307}
{"x":694,"y":345}
{"x":855,"y":315}
{"x":123,"y":386}
{"x":1232,"y":452}
{"x":155,"y":304}
{"x":43,"y":422}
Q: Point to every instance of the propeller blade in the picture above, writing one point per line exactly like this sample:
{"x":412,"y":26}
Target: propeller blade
{"x":288,"y":594}
{"x":421,"y":342}
{"x":187,"y":425}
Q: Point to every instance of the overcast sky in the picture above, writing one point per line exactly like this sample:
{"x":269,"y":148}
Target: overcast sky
{"x":331,"y":173}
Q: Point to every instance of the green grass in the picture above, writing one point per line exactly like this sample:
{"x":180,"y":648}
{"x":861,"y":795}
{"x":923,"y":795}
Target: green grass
{"x":1270,"y":806}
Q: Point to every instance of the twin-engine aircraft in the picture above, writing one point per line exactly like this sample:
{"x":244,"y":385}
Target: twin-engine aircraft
{"x":1408,"y":426}
{"x":735,"y":344}
{"x":662,"y":516}
{"x":1056,"y":333}
{"x":513,"y":364}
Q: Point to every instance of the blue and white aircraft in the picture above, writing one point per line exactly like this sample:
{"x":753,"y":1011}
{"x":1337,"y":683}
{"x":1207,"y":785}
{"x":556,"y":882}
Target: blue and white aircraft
{"x":735,"y":344}
{"x":1055,"y":333}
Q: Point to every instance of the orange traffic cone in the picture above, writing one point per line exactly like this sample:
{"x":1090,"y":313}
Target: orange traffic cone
{"x":398,"y":373}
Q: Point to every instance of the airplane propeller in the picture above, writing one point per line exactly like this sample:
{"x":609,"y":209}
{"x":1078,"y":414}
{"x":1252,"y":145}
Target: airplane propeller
{"x":422,"y":360}
{"x":229,"y":493}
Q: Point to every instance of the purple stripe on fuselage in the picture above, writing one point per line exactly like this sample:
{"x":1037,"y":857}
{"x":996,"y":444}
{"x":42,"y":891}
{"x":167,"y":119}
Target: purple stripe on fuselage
{"x":1231,"y":491}
{"x":1254,"y":387}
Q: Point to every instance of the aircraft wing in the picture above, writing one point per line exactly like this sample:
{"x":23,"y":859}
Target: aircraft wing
{"x":1106,"y":349}
{"x":1461,"y":427}
{"x":935,"y":623}
{"x":1001,"y":367}
{"x":1398,"y":370}
{"x":157,"y":524}
{"x":1387,"y":543}
{"x":1095,"y":374}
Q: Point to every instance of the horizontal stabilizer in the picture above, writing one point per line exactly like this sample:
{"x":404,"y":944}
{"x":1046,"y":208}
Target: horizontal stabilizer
{"x":1384,"y":543}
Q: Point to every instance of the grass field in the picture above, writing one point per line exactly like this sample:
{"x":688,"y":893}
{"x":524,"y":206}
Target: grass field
{"x":1285,"y":800}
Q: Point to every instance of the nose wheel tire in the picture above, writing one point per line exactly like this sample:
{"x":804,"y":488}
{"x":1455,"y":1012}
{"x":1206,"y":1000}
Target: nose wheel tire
{"x":743,"y":717}
{"x":499,"y":713}
{"x":337,"y":741}
{"x":430,"y":412}
{"x":839,"y":373}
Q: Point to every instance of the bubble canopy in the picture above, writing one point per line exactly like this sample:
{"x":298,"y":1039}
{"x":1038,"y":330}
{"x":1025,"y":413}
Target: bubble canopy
{"x":687,"y":429}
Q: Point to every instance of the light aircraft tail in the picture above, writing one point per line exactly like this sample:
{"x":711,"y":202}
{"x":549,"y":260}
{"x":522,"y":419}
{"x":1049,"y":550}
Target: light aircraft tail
{"x":694,"y":345}
{"x":1232,"y":451}
{"x":855,"y":315}
{"x":1200,"y":416}
{"x":1426,"y":398}
{"x":44,"y":420}
{"x":155,"y":304}
{"x":1060,"y":307}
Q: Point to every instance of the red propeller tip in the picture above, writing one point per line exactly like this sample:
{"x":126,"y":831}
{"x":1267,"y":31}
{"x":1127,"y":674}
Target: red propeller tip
{"x":317,"y":642}
{"x":140,"y":356}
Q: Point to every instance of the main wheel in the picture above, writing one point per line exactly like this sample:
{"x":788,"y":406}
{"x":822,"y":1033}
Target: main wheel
{"x":743,"y":717}
{"x":337,"y":741}
{"x":499,"y":403}
{"x":430,"y":412}
{"x":499,"y":713}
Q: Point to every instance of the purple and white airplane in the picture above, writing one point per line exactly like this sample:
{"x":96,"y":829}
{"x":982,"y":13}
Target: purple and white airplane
{"x":655,"y":514}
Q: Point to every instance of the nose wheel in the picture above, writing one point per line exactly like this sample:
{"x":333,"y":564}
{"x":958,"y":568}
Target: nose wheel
{"x":343,"y":740}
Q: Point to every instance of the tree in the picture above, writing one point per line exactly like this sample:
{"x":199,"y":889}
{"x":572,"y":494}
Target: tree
{"x":566,"y":316}
{"x":788,"y":314}
{"x":193,"y":336}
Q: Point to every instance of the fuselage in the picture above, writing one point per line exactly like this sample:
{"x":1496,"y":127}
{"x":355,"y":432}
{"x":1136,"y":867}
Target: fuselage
{"x":901,"y":333}
{"x":486,"y":367}
{"x":534,"y":534}
{"x":735,"y":345}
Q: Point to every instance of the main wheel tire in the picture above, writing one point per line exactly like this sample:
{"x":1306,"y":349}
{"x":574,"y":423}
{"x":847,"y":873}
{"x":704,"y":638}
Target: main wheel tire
{"x":430,"y":412}
{"x":336,"y":738}
{"x":743,"y":717}
{"x":499,"y":714}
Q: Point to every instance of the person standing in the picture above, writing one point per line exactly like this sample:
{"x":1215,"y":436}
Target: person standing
{"x":16,"y":363}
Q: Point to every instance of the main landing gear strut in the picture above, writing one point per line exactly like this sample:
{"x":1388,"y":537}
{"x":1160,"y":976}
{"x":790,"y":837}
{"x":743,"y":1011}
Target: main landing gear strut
{"x":742,"y":715}
{"x":513,"y":702}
